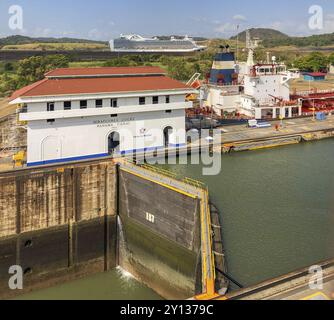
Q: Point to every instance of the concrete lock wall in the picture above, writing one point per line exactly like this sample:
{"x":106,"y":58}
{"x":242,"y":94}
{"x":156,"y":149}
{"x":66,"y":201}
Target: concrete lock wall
{"x":12,"y":135}
{"x":57,"y":224}
{"x":162,"y":236}
{"x":60,"y":223}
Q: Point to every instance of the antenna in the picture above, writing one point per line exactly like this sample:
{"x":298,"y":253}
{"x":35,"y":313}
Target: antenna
{"x":250,"y":45}
{"x":238,"y":26}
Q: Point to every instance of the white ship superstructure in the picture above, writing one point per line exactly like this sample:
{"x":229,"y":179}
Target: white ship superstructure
{"x":137,"y":43}
{"x":257,"y":90}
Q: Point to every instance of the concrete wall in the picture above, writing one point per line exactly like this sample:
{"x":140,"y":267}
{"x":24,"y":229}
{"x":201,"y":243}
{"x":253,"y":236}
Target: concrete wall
{"x":58,"y":224}
{"x":88,"y":137}
{"x":162,"y":235}
{"x":11,"y":135}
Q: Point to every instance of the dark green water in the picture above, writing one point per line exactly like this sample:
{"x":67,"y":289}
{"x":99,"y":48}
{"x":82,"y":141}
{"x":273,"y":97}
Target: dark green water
{"x":114,"y":285}
{"x":277,"y":209}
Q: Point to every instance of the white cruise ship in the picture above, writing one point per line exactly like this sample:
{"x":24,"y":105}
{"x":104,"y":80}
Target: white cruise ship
{"x":137,"y":43}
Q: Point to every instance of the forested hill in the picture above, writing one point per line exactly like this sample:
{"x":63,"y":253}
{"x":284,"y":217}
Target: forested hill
{"x":263,"y":34}
{"x":18,"y":39}
{"x":311,"y":41}
{"x":272,"y":38}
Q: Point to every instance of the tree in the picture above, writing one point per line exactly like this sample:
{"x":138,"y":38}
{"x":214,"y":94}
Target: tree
{"x":34,"y":68}
{"x":315,"y":61}
{"x":120,"y":62}
{"x":331,"y":59}
{"x":8,"y":67}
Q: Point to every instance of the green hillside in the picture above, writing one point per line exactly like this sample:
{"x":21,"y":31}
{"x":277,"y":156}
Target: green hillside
{"x":271,"y":38}
{"x":263,"y":34}
{"x":19,"y":40}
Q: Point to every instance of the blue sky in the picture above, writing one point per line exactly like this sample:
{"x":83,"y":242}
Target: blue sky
{"x":105,"y":19}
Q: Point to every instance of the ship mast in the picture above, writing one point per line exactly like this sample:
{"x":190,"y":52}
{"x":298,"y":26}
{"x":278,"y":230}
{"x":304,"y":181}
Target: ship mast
{"x":250,"y":45}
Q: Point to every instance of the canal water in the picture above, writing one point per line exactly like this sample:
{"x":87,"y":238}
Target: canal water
{"x":113,"y":285}
{"x":277,"y":209}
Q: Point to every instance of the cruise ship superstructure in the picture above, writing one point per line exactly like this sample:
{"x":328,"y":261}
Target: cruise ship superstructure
{"x":136,"y":43}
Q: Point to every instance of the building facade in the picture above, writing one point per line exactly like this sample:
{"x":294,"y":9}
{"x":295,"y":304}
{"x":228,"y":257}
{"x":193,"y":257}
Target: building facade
{"x":77,"y":114}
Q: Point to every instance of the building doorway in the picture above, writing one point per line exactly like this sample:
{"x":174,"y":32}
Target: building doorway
{"x":51,"y":148}
{"x":113,"y":143}
{"x":168,"y":131}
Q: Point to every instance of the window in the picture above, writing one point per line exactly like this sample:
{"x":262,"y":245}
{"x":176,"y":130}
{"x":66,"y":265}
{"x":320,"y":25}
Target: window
{"x":168,"y":111}
{"x":51,"y":121}
{"x":83,"y":104}
{"x":99,"y":103}
{"x":142,"y":101}
{"x":24,"y":109}
{"x":113,"y":103}
{"x":67,"y":105}
{"x":155,"y":100}
{"x":167,"y":99}
{"x":50,"y":106}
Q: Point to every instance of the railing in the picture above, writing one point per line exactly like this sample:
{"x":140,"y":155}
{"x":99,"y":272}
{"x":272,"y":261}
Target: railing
{"x":310,"y":92}
{"x":169,"y":174}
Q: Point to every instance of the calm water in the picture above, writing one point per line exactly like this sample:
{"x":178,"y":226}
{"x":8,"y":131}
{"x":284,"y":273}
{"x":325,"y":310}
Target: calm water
{"x":277,"y":209}
{"x":114,"y":285}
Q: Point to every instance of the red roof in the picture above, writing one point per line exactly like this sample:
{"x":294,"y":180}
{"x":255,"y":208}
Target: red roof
{"x":104,"y":71}
{"x":316,"y":74}
{"x":69,"y":86}
{"x":24,"y":90}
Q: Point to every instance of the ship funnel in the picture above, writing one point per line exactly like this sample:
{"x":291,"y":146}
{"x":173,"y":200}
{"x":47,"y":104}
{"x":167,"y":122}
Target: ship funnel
{"x":223,"y":70}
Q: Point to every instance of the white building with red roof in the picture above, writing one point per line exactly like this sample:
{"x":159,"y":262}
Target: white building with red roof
{"x":83,"y":113}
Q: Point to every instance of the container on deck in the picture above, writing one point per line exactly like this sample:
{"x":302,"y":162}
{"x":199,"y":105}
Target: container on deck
{"x":321,"y":116}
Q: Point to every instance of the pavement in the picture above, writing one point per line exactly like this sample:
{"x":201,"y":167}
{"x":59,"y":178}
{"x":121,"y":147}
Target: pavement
{"x":5,"y":108}
{"x":294,"y":286}
{"x":306,"y":293}
{"x":237,"y":133}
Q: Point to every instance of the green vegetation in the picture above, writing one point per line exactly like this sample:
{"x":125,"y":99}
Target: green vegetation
{"x":14,"y":75}
{"x":311,"y":41}
{"x":19,"y":40}
{"x":27,"y":71}
{"x":314,"y":61}
{"x":56,"y":46}
{"x":262,"y":34}
{"x":271,"y":38}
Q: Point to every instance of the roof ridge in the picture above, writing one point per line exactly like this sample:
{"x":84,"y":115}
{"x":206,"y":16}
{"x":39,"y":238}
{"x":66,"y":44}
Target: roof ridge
{"x":85,"y":70}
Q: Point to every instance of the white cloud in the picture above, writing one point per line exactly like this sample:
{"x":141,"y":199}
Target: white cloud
{"x":328,"y":24}
{"x":94,"y":34}
{"x":226,"y":28}
{"x":240,"y":17}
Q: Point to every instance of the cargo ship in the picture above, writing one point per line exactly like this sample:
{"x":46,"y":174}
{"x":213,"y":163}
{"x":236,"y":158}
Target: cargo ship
{"x":136,"y":43}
